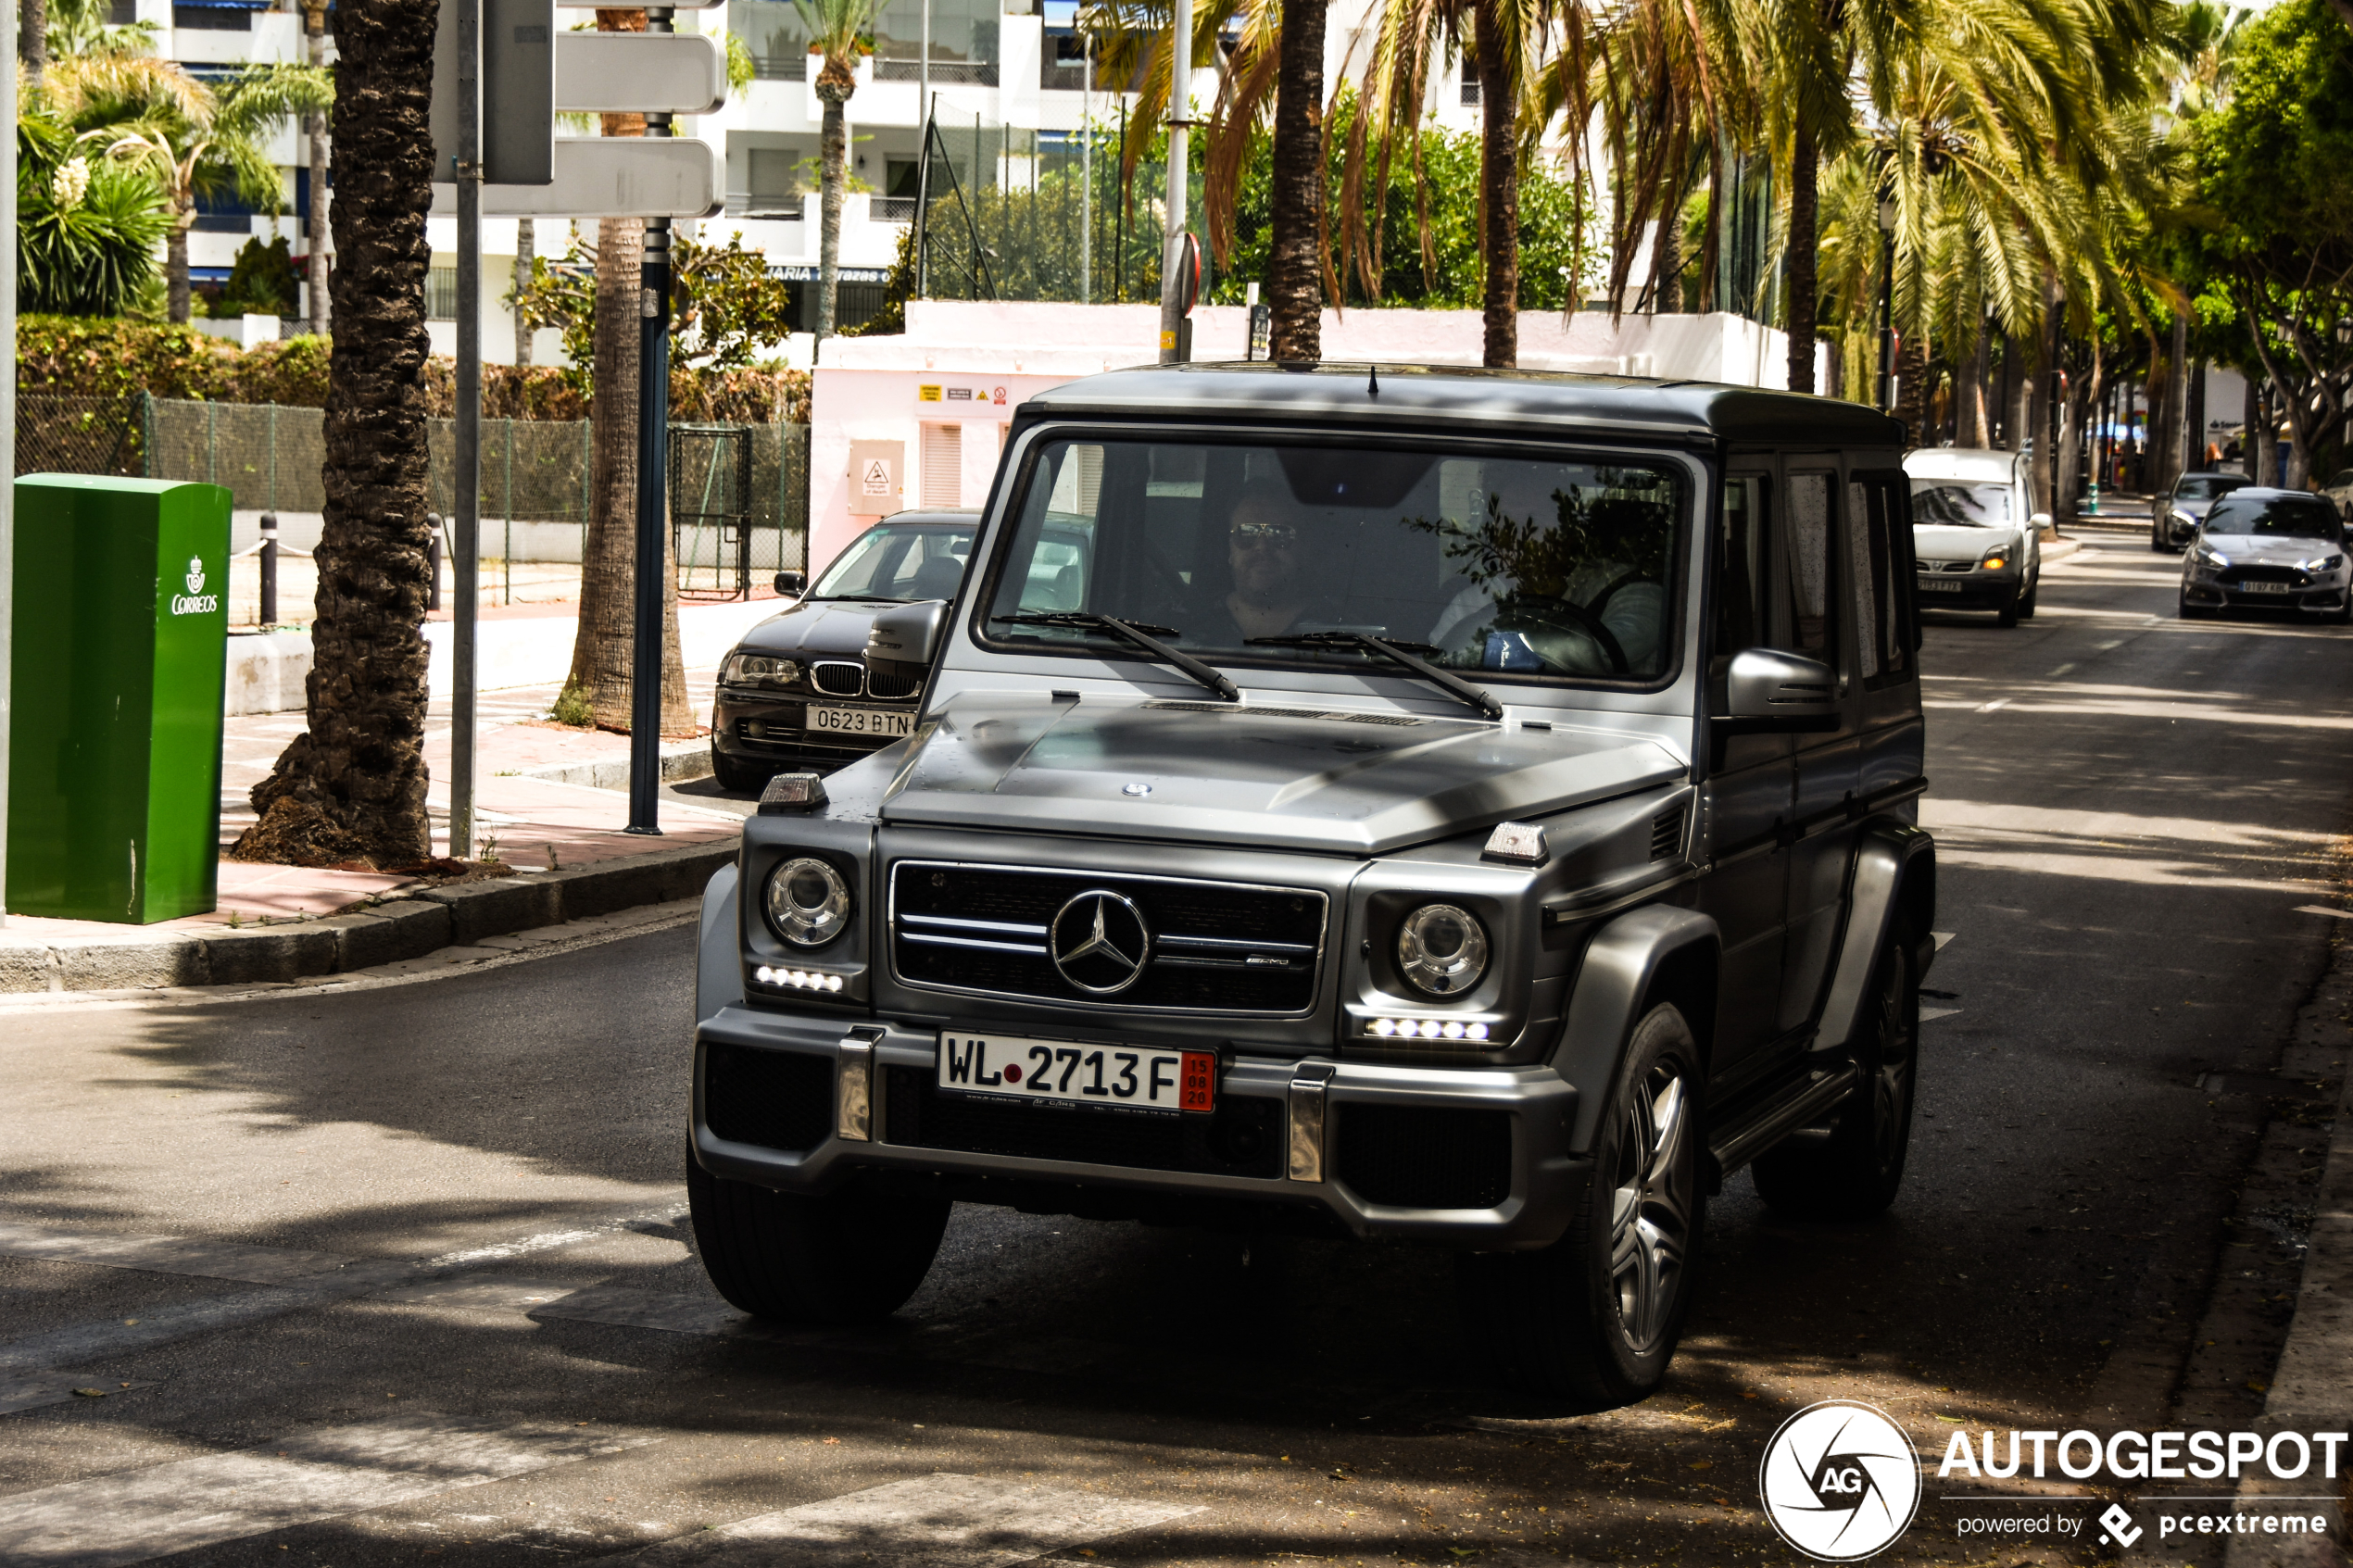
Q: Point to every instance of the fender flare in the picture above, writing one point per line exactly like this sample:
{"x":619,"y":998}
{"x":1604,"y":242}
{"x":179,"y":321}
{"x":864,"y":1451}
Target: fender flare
{"x":1893,"y":874}
{"x":719,"y":965}
{"x":1613,"y":981}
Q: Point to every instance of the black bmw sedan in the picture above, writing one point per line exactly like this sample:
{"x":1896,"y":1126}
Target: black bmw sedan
{"x":795,"y":692}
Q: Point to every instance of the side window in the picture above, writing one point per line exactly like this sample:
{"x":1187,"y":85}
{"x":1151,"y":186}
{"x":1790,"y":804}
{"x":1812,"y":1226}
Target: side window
{"x":1811,"y":626}
{"x":1743,"y":570}
{"x":1877,"y":531}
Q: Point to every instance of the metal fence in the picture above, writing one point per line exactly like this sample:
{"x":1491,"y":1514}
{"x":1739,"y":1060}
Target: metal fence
{"x":535,"y":473}
{"x":77,"y":434}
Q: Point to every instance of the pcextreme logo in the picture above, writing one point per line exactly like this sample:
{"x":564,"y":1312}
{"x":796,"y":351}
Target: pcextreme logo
{"x":1840,"y":1481}
{"x":195,"y":601}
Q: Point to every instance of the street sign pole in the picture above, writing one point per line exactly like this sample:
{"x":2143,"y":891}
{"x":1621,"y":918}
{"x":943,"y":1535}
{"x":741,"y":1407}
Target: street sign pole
{"x":653,"y":509}
{"x":1172,"y":285}
{"x":468,"y":479}
{"x":8,"y":422}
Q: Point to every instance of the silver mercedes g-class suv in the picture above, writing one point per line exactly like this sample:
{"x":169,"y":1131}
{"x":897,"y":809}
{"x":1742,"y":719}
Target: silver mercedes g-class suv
{"x":1425,"y":805}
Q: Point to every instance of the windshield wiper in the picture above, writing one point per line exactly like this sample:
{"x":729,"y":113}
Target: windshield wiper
{"x":1395,"y":653}
{"x":1136,"y":632}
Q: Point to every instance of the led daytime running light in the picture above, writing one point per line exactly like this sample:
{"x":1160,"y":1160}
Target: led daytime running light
{"x":1426,"y":1029}
{"x":796,"y":979}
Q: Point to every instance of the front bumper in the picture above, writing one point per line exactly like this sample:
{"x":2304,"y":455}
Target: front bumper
{"x":2315,"y":599}
{"x":1975,"y":590}
{"x":1475,"y":1158}
{"x":773,"y":730}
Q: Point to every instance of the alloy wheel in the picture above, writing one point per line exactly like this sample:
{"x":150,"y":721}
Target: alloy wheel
{"x":1651,"y":1215}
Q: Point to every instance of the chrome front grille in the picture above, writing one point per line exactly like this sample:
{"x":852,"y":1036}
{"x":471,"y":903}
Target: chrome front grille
{"x":837,"y":678}
{"x":1213,"y":947}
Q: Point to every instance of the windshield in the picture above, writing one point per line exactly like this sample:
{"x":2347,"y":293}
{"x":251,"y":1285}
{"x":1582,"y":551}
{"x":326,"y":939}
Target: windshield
{"x":2207,"y":486}
{"x":2290,"y":517}
{"x":1958,"y":503}
{"x":904,"y":561}
{"x":1507,"y":565}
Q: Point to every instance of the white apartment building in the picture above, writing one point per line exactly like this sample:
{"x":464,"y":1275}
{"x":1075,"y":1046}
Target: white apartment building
{"x":997,"y":64}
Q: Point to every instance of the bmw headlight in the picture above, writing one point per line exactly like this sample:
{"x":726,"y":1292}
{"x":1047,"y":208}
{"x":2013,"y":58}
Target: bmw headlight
{"x":750,"y":669}
{"x":1442,"y":949}
{"x":807,"y":902}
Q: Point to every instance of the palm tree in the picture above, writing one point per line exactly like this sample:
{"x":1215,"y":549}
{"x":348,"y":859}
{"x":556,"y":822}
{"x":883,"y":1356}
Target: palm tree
{"x":86,"y":232}
{"x":353,"y":787}
{"x":192,"y":138}
{"x":837,"y":28}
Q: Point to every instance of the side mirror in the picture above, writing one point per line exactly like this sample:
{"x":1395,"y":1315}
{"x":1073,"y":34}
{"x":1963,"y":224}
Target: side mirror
{"x":791,"y":584}
{"x":2041,"y":521}
{"x":904,"y":639}
{"x":1767,"y":689}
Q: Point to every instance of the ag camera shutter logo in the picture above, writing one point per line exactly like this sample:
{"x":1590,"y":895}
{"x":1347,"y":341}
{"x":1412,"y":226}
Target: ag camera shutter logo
{"x":1840,"y":1481}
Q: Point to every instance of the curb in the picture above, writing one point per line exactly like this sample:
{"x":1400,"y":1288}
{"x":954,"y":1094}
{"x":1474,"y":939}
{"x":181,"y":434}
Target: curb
{"x":2060,"y":549}
{"x":407,"y":927}
{"x":680,"y":761}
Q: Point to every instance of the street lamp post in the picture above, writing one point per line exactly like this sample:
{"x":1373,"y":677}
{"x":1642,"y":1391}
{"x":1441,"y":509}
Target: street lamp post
{"x":1173,"y":284}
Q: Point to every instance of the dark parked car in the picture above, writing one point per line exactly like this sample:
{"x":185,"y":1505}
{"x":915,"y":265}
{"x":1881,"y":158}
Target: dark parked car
{"x":2175,"y":518}
{"x":1451,"y":807}
{"x":795,"y":692}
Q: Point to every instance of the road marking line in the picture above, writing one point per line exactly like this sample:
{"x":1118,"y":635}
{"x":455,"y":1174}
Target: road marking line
{"x":941,"y":1520}
{"x":320,"y":1473}
{"x":1995,"y":705}
{"x":2317,"y":910}
{"x":1930,"y":1015}
{"x":168,"y":1254}
{"x":30,"y":1390}
{"x":1942,"y":937}
{"x":2057,"y":673}
{"x":79,"y":1343}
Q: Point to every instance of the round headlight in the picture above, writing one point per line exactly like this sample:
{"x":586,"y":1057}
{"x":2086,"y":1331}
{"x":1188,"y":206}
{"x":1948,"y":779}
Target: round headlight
{"x":807,"y":902}
{"x":1442,"y":949}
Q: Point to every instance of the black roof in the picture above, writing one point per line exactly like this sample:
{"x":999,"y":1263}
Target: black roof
{"x":1414,"y":392}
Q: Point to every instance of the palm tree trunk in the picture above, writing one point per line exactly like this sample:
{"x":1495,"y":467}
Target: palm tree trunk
{"x":353,"y":789}
{"x":526,"y":248}
{"x":32,"y":37}
{"x":2068,"y":457}
{"x":1911,"y":386}
{"x":2178,"y":457}
{"x":600,"y":652}
{"x":1976,"y":429}
{"x":175,"y":269}
{"x":1804,"y":204}
{"x":1295,"y":201}
{"x":2038,"y":402}
{"x":833,"y":144}
{"x":315,"y":26}
{"x":1497,"y":189}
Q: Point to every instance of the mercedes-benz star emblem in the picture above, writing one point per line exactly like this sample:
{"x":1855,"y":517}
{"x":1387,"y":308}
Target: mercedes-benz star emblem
{"x":1099,"y":942}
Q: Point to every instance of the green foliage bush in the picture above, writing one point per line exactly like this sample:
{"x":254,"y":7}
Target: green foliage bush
{"x":87,"y":227}
{"x":261,"y":281}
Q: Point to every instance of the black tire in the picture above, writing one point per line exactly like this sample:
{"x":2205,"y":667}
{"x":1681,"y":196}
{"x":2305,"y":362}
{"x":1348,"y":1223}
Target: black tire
{"x":2026,"y":601}
{"x":2008,"y":614}
{"x":2344,"y":615}
{"x":739,"y":778}
{"x":2157,"y":537}
{"x":2188,"y":612}
{"x":845,"y":1257}
{"x":1854,"y":1171}
{"x":1595,"y":1317}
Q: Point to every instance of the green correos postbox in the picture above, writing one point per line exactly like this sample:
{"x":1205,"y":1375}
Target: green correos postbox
{"x":114,"y":749}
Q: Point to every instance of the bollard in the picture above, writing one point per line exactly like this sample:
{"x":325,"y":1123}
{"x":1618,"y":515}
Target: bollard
{"x":433,"y":564}
{"x":269,"y":570}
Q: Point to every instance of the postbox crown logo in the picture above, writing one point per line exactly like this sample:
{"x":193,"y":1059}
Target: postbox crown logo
{"x":196,"y":574}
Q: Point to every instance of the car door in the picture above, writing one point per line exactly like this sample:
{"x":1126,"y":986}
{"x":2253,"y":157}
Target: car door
{"x":1828,"y":764}
{"x":1879,"y":536}
{"x":1748,"y":799}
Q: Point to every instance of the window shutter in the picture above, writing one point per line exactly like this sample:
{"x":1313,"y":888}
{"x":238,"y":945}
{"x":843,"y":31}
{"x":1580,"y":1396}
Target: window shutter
{"x":943,"y":465}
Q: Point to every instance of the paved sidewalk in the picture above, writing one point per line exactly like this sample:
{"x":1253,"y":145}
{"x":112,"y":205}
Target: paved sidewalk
{"x":541,"y":810}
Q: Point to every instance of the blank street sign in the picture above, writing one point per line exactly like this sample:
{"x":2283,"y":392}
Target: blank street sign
{"x":613,"y":177}
{"x":640,"y":73}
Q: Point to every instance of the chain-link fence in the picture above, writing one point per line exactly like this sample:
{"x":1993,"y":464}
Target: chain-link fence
{"x":77,"y":434}
{"x":535,"y":475}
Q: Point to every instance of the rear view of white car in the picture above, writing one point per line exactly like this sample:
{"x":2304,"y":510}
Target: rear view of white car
{"x":1976,"y":535}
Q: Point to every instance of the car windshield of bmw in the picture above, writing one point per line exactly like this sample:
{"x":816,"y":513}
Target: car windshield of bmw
{"x":1344,"y":556}
{"x":2207,"y":486}
{"x":1955,"y":504}
{"x":2288,"y":517}
{"x":900,"y":562}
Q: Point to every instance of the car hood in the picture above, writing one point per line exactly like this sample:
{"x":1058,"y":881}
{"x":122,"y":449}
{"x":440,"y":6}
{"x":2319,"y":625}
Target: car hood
{"x":2194,"y":510}
{"x":835,"y":627}
{"x":1952,"y":542}
{"x":2271,"y":549}
{"x":1337,"y":782}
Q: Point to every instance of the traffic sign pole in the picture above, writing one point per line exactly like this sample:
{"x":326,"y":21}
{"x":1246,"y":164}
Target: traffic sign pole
{"x":653,"y":509}
{"x":468,"y":478}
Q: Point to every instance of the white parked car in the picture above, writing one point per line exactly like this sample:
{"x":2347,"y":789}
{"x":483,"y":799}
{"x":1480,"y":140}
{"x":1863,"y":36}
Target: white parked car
{"x":1975,"y":531}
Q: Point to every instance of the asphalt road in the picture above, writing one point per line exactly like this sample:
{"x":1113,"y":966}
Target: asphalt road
{"x":393,"y":1274}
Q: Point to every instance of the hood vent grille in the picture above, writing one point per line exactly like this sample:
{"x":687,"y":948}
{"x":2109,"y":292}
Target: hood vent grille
{"x":1666,"y":834}
{"x":1249,"y":712}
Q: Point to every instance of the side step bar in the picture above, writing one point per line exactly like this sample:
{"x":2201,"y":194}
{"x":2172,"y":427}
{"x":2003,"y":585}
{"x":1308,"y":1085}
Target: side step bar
{"x":1762,"y":1126}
